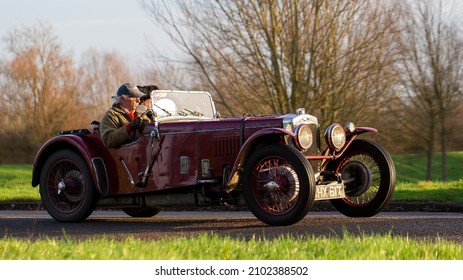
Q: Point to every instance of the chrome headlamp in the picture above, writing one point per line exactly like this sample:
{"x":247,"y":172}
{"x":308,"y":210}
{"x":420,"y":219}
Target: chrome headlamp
{"x":304,"y":136}
{"x":335,"y":137}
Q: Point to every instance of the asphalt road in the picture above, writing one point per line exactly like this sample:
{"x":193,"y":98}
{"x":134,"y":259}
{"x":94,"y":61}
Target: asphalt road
{"x":419,"y":225}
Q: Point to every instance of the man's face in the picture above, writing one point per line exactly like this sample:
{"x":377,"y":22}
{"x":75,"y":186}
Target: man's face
{"x":147,"y":103}
{"x":130,"y":103}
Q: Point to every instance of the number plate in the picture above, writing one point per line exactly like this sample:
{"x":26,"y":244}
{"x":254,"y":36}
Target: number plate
{"x":330,"y":191}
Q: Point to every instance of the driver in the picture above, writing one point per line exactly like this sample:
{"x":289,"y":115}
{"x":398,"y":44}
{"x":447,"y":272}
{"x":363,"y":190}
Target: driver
{"x":121,"y":119}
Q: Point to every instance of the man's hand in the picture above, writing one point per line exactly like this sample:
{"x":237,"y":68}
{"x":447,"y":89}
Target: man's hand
{"x":92,"y":128}
{"x":141,"y":110}
{"x":135,"y":123}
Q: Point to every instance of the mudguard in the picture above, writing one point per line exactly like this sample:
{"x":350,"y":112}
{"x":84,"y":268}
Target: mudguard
{"x":90,"y":148}
{"x":264,"y":136}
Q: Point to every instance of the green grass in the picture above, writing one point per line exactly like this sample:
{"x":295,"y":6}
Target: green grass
{"x":205,"y":247}
{"x":411,"y":168}
{"x":411,"y":174}
{"x":15,"y":183}
{"x":450,"y":192}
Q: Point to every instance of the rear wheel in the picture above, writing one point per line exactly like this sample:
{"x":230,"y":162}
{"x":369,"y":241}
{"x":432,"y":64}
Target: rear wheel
{"x":66,"y":187}
{"x":369,"y":174}
{"x":278,"y":185}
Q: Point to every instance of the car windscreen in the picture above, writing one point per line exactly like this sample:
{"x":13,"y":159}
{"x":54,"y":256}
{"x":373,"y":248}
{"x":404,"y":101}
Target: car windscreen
{"x":175,"y":103}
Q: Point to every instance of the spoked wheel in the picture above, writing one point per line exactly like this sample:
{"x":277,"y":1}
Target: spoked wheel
{"x":66,"y":187}
{"x":278,"y":185}
{"x":144,"y":212}
{"x":369,"y":174}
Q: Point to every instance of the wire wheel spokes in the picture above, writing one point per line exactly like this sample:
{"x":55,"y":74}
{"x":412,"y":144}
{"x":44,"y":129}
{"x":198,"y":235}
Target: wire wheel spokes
{"x":276,"y":185}
{"x":370,"y":191}
{"x":66,"y":185}
{"x":368,"y":172}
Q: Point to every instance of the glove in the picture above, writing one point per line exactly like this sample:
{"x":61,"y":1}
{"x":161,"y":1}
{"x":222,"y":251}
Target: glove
{"x":141,"y":110}
{"x":135,"y":123}
{"x":148,"y":88}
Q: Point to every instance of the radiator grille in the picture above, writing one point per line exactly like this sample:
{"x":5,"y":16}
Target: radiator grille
{"x":315,"y":149}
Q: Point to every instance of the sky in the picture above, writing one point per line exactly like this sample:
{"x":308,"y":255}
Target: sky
{"x":120,"y":25}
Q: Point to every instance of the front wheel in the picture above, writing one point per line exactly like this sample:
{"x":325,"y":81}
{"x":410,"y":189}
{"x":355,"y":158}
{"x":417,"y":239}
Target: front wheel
{"x":369,"y":175}
{"x":278,"y":185}
{"x":66,"y":187}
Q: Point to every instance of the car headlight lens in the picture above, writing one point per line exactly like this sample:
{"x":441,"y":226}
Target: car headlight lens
{"x":304,"y":136}
{"x":335,"y":136}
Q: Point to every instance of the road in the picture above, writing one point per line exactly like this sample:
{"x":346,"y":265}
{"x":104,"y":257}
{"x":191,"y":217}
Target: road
{"x":419,"y":225}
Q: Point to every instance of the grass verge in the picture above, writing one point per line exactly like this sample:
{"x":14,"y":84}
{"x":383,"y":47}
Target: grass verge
{"x":205,"y":247}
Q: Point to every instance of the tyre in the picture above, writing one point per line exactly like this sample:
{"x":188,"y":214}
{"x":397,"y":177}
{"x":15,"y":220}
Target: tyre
{"x":66,"y":187}
{"x":278,"y":185}
{"x":144,"y":212}
{"x":369,"y":175}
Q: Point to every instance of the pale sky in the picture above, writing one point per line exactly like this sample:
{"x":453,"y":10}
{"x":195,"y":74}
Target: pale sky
{"x":120,"y":25}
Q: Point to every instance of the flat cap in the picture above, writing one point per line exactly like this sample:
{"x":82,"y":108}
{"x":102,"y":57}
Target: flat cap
{"x":129,"y":90}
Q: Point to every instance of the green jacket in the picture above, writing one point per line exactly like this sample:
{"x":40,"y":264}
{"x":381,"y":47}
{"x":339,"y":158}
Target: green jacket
{"x":114,"y":127}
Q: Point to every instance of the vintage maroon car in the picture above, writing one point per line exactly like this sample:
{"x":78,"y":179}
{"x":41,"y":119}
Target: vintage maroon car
{"x":190,"y":156}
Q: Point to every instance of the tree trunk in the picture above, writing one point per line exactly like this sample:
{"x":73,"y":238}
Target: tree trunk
{"x":443,"y":151}
{"x":430,"y":152}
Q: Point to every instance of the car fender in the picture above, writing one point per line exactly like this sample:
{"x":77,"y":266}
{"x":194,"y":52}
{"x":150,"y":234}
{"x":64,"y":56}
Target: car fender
{"x":90,"y":148}
{"x":262,"y":137}
{"x":352,"y":135}
{"x":360,"y":130}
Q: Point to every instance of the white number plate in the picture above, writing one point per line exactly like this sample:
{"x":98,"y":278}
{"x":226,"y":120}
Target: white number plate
{"x":330,"y":191}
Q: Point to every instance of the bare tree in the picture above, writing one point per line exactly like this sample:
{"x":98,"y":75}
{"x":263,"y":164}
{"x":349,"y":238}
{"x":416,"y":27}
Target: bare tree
{"x":432,"y":67}
{"x":39,"y":80}
{"x":276,"y":56}
{"x":102,"y":72}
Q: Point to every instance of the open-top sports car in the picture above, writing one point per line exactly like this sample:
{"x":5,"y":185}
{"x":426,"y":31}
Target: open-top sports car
{"x":191,"y":156}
